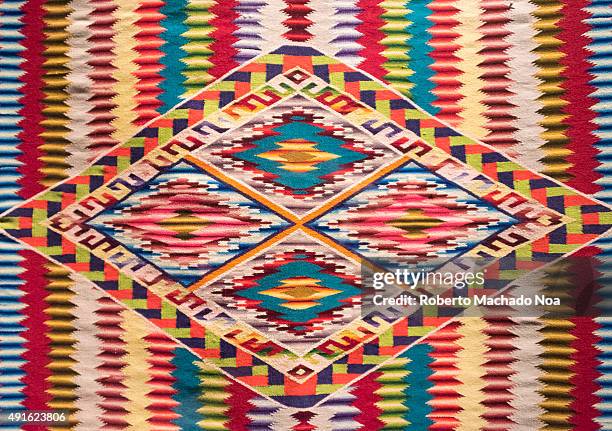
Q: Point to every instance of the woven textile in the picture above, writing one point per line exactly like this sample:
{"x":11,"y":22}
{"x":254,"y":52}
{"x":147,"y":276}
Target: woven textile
{"x":191,"y":188}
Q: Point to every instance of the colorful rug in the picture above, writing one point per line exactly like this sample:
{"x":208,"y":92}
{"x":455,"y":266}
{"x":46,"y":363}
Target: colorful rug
{"x":191,"y":190}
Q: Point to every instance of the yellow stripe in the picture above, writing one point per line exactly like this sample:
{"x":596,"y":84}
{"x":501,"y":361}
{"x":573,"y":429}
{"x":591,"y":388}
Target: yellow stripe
{"x":470,"y":360}
{"x":62,"y":342}
{"x":472,"y":104}
{"x":56,"y":67}
{"x":551,"y":88}
{"x":125,"y":57}
{"x":136,"y":373}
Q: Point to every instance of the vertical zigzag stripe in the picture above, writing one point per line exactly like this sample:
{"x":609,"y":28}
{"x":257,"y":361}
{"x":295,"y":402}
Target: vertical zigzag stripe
{"x":556,"y":373}
{"x":322,"y":23}
{"x":549,"y":62}
{"x":471,"y":103}
{"x":345,"y":42}
{"x":297,"y":22}
{"x":445,"y":377}
{"x":12,"y":340}
{"x":396,"y":45}
{"x":418,"y":386}
{"x":198,"y":36}
{"x":112,"y":358}
{"x":213,"y":385}
{"x":125,"y":57}
{"x":173,"y":53}
{"x":101,"y":46}
{"x":419,"y":53}
{"x":391,"y":402}
{"x":471,"y":360}
{"x":31,"y":110}
{"x":526,"y":387}
{"x":37,"y":343}
{"x":341,"y":405}
{"x":11,"y":77}
{"x":239,"y":405}
{"x":249,"y":28}
{"x":601,"y":73}
{"x":523,"y":85}
{"x":604,"y":337}
{"x":87,"y":357}
{"x":495,"y":82}
{"x":61,"y":337}
{"x":186,"y":389}
{"x":260,"y":417}
{"x":272,"y":23}
{"x":585,"y":374}
{"x":498,"y":369}
{"x":161,"y":407}
{"x":79,"y":86}
{"x":580,"y":116}
{"x":148,"y":44}
{"x":604,"y":406}
{"x":223,"y":52}
{"x":366,"y":398}
{"x":136,"y":372}
{"x":444,"y":42}
{"x":55,"y":78}
{"x":370,"y":28}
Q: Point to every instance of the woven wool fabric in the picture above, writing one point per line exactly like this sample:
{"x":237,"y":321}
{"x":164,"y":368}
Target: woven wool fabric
{"x":190,"y":188}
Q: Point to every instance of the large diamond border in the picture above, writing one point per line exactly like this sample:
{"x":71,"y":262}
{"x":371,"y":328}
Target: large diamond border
{"x":587,"y":219}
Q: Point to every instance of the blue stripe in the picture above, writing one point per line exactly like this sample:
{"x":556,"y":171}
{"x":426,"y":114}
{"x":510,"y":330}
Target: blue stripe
{"x":173,"y":69}
{"x":417,"y":397}
{"x":188,"y":390}
{"x":420,"y":60}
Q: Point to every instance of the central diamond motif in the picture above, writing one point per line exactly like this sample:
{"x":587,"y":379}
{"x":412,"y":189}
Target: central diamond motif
{"x":298,"y":154}
{"x":187,"y":223}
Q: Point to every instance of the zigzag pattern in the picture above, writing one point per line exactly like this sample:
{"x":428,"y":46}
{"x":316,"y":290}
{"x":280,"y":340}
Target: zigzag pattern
{"x":417,"y":49}
{"x":80,"y":77}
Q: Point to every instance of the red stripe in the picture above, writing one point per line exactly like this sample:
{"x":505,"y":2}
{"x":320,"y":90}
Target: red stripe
{"x":365,"y":401}
{"x":103,"y":83}
{"x":31,"y":101}
{"x":297,"y":22}
{"x":148,"y":61}
{"x":498,"y":387}
{"x":444,"y":377}
{"x":111,"y":369}
{"x":222,"y":47}
{"x":161,"y":404}
{"x":37,"y":342}
{"x":495,"y":77}
{"x":445,"y":47}
{"x":577,"y":92}
{"x":371,"y":22}
{"x":240,"y":405}
{"x":585,"y":369}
